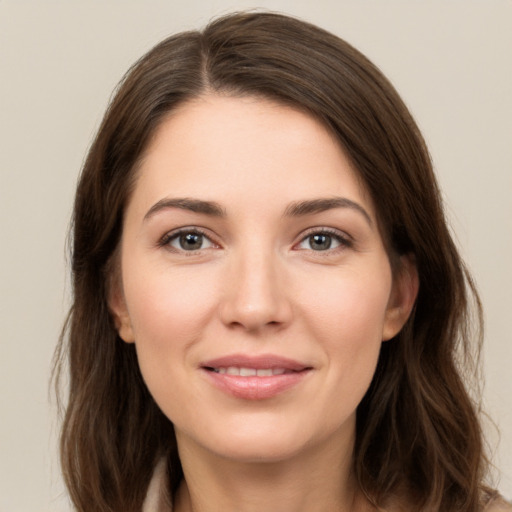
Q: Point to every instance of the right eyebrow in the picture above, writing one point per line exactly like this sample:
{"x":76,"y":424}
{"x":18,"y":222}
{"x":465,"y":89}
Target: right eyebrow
{"x":312,"y":206}
{"x":194,"y":205}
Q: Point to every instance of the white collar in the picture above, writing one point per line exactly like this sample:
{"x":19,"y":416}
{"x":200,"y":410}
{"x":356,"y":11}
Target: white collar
{"x":157,"y":498}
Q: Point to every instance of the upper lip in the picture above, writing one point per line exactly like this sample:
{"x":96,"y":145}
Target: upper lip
{"x":263,"y":361}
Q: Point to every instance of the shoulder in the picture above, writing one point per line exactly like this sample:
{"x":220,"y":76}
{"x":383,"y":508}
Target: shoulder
{"x":495,"y":503}
{"x":498,"y":505}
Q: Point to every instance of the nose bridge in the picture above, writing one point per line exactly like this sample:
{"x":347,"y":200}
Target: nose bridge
{"x":255,"y":292}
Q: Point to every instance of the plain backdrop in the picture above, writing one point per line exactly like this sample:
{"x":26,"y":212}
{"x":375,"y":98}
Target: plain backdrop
{"x":59,"y":62}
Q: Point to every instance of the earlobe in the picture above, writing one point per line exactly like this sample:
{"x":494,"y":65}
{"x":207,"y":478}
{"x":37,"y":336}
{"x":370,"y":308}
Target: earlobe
{"x":403,"y":296}
{"x":119,"y":312}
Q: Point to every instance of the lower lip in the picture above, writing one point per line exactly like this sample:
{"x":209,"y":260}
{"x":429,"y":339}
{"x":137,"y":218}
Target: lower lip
{"x":255,"y":388}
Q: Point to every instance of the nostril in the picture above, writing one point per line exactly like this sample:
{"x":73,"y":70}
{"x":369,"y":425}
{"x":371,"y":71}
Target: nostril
{"x":256,"y":303}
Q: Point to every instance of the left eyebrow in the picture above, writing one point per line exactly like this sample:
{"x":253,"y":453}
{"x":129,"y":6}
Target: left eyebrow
{"x":311,"y":206}
{"x":193,"y":205}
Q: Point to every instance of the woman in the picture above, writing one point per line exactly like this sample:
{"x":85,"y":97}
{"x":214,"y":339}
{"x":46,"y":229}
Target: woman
{"x":269,"y":311}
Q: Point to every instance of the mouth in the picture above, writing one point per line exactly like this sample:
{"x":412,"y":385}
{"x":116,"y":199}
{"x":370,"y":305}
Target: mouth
{"x":255,"y":378}
{"x":249,"y":372}
{"x":248,"y":365}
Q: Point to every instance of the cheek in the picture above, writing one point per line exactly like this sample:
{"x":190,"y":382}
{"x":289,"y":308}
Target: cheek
{"x":349,"y":305}
{"x":168,"y":310}
{"x":347,"y":316}
{"x":167,"y":305}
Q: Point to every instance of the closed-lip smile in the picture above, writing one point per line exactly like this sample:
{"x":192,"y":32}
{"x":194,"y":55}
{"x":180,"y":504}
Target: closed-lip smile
{"x":254,"y":377}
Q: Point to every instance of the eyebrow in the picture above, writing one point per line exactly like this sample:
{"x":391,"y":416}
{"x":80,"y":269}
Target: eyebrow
{"x":312,"y":206}
{"x":192,"y":205}
{"x":295,"y":209}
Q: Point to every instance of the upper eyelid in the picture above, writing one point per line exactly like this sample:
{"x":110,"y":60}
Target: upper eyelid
{"x":173,"y":233}
{"x":169,"y":235}
{"x":345,"y":240}
{"x":324,"y":229}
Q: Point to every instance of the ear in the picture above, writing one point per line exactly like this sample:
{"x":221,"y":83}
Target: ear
{"x":119,"y":310}
{"x":402,"y":298}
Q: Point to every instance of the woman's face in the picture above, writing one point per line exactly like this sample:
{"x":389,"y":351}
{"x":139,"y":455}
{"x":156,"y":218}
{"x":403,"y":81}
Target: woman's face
{"x":254,"y":280}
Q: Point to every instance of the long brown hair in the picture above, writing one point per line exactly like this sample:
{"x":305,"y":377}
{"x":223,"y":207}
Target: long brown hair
{"x":418,"y":433}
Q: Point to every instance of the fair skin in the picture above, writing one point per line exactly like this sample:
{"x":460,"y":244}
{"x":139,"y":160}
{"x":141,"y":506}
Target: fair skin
{"x":249,"y":245}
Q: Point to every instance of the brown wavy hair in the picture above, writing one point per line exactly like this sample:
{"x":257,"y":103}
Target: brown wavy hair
{"x":418,"y":433}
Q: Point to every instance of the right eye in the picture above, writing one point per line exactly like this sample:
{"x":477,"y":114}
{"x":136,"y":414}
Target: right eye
{"x":188,"y":240}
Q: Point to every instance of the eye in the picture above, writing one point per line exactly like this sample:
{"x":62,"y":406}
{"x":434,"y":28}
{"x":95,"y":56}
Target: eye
{"x":323,"y":241}
{"x":187,"y":240}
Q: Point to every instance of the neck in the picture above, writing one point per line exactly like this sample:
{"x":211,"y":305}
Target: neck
{"x":316,"y":480}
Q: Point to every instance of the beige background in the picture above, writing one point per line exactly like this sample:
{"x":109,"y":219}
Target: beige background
{"x":59,"y":61}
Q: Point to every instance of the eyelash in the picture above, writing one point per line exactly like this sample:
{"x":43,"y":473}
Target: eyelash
{"x":166,"y":240}
{"x":344,"y":240}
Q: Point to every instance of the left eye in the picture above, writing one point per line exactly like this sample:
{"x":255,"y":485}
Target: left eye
{"x":322,"y":242}
{"x":189,"y":241}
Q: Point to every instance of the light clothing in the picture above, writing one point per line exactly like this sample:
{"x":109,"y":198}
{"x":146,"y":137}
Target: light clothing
{"x":157,"y":497}
{"x":499,"y":505}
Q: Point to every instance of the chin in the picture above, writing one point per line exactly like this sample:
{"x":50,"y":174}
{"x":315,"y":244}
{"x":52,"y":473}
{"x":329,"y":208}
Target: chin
{"x":259,"y":450}
{"x":250,"y":441}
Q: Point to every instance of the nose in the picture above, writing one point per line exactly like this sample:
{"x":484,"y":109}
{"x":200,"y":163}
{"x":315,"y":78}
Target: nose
{"x":255,"y":294}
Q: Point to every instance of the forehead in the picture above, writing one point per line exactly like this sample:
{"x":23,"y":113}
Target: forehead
{"x":226,"y":146}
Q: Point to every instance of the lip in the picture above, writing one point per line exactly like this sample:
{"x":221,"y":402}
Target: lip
{"x":255,"y":387}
